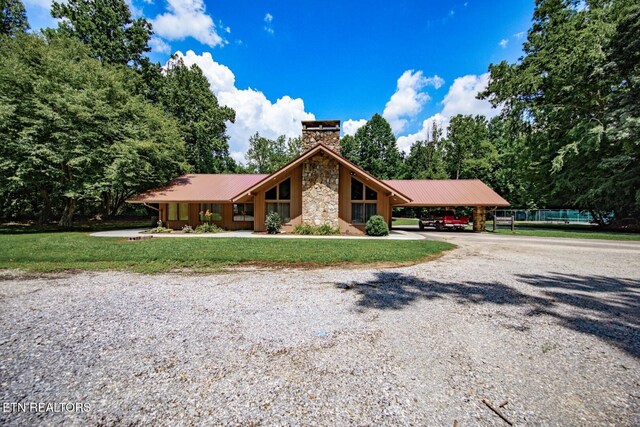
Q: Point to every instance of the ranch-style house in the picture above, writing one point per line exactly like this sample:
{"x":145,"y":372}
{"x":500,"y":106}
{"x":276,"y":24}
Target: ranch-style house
{"x":319,"y":187}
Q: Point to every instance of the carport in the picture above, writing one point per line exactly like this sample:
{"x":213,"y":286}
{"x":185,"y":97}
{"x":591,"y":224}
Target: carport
{"x":450,"y":193}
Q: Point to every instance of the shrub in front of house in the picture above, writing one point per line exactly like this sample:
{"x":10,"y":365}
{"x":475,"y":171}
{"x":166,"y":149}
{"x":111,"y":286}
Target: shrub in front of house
{"x":273,"y":223}
{"x":157,"y":230}
{"x":326,"y":230}
{"x":323,"y":230}
{"x":303,"y":229}
{"x":208,"y":228}
{"x":187,"y":229}
{"x":376,"y":226}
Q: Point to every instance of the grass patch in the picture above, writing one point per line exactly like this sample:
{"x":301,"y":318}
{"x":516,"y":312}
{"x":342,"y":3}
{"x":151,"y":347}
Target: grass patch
{"x":79,"y":251}
{"x":405,"y":221}
{"x":571,"y":233}
{"x":117,"y":224}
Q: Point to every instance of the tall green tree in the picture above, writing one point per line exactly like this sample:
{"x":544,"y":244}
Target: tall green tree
{"x":186,"y":95}
{"x":377,"y":151}
{"x":106,"y":27}
{"x":73,"y":135}
{"x":574,"y":88}
{"x":349,"y":148}
{"x":512,"y":171}
{"x":294,"y":148}
{"x":268,"y":155}
{"x":618,"y":181}
{"x":483,"y":155}
{"x":469,"y":154}
{"x":13,"y":17}
{"x":426,"y":158}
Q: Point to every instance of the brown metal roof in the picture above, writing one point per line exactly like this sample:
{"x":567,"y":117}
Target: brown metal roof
{"x":200,"y":188}
{"x":444,"y":193}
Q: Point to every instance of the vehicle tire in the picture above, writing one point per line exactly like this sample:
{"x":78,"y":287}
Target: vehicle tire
{"x":439,"y":226}
{"x":420,"y":225}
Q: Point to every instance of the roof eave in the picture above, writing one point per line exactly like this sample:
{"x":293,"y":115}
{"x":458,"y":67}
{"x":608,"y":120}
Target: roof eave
{"x":321,"y":147}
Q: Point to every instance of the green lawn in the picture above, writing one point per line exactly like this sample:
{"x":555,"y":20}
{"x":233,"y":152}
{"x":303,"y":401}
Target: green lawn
{"x":573,"y":233}
{"x":116,"y":224}
{"x":405,"y":221}
{"x":73,"y":250}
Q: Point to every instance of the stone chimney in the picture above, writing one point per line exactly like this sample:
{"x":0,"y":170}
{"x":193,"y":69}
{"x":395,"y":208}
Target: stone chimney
{"x":324,"y":131}
{"x":320,"y":174}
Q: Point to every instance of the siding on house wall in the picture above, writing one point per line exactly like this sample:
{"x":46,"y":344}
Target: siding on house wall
{"x":383,"y":206}
{"x":227,"y":221}
{"x":162,"y":214}
{"x":259,"y":212}
{"x":344,"y":204}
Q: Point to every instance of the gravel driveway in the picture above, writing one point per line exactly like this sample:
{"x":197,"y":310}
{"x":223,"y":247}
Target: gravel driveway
{"x":550,"y":325}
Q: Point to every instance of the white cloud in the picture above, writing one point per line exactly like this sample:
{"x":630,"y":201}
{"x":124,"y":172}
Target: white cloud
{"x":520,"y":35}
{"x":424,"y":134}
{"x":187,"y":18}
{"x":221,"y":78}
{"x":254,"y":112}
{"x":158,"y":45}
{"x":503,"y":43}
{"x":238,"y":156}
{"x":408,"y":100}
{"x":268,"y":19}
{"x":460,"y":99}
{"x":350,"y":126}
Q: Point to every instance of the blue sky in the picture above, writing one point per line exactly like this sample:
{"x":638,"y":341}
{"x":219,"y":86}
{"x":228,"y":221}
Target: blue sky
{"x":279,"y":62}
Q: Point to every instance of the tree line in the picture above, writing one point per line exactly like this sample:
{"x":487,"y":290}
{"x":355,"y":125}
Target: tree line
{"x":568,"y":135}
{"x":87,"y":120}
{"x":573,"y":101}
{"x":474,"y":148}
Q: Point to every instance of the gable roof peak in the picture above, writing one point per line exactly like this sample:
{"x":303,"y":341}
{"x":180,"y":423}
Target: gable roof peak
{"x":321,"y":148}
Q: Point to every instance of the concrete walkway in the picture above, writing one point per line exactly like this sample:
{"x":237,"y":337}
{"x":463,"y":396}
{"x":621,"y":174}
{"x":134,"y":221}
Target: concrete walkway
{"x":395,"y":235}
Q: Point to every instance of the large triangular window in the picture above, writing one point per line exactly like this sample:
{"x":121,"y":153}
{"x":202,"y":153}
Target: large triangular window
{"x":278,"y":199}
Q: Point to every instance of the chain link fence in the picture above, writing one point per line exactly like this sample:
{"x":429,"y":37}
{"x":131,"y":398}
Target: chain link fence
{"x":562,"y":216}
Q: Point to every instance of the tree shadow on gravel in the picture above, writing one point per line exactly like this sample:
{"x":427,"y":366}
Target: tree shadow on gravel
{"x":605,"y":307}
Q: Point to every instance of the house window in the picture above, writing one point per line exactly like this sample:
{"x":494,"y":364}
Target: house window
{"x":282,"y":209}
{"x":278,"y":199}
{"x":243,"y":212}
{"x":210,"y":212}
{"x":363,"y":202}
{"x":178,"y":211}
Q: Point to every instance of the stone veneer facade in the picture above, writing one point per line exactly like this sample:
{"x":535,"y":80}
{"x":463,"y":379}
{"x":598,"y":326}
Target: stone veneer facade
{"x":320,"y":175}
